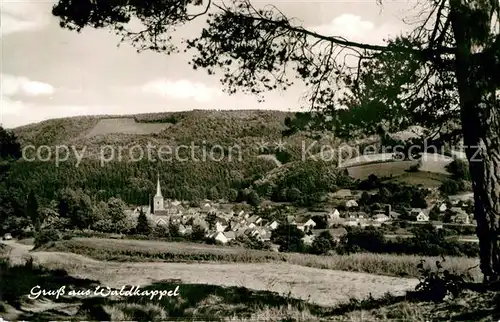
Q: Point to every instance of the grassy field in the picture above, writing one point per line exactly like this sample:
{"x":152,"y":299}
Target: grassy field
{"x":426,"y":179}
{"x":147,"y":251}
{"x":215,"y":303}
{"x":396,"y":171}
{"x":435,"y":163}
{"x":125,"y":126}
{"x":381,"y":169}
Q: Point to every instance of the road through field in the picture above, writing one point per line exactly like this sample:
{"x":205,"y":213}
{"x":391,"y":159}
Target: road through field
{"x":320,"y":286}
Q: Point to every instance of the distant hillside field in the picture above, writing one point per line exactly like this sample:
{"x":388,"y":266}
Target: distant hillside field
{"x":436,"y":163}
{"x":367,"y":158}
{"x":125,"y":126}
{"x":381,"y":169}
{"x":426,"y":179}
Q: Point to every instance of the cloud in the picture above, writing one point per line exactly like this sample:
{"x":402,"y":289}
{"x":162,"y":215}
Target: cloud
{"x":354,"y":28}
{"x":18,"y":85}
{"x":15,"y":113}
{"x":182,"y":89}
{"x":346,"y":25}
{"x":20,"y":16}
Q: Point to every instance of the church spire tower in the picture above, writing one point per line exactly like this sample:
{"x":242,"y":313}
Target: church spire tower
{"x":158,"y":198}
{"x":158,"y":188}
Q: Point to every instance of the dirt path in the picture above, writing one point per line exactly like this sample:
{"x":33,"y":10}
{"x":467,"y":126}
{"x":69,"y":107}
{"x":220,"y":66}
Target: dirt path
{"x":323,"y":287}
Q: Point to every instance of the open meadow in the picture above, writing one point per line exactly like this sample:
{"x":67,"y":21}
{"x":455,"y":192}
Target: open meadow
{"x":224,"y":286}
{"x":425,"y":179}
{"x":124,"y":250}
{"x":380,"y":169}
{"x":125,"y":126}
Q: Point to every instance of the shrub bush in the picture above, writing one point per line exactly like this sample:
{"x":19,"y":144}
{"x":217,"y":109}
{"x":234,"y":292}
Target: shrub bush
{"x":436,"y":285}
{"x":45,"y":236}
{"x":459,"y":169}
{"x":449,"y":187}
{"x":323,"y":244}
{"x":427,"y":241}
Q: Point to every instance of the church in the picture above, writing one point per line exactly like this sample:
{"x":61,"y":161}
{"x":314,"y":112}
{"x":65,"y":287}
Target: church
{"x":157,"y":206}
{"x":158,"y":202}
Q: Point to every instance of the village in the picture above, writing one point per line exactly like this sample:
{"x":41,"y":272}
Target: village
{"x":231,"y":220}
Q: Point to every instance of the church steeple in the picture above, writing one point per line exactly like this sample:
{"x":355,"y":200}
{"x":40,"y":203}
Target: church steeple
{"x":158,"y":188}
{"x":158,"y":198}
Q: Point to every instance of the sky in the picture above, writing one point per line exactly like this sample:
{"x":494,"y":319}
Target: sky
{"x":49,"y":72}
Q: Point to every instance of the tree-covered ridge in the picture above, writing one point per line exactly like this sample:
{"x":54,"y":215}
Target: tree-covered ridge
{"x":55,"y":131}
{"x":135,"y":181}
{"x":245,"y":130}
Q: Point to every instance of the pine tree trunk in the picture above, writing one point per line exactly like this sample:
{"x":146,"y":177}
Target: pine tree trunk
{"x":481,"y":128}
{"x":484,"y":164}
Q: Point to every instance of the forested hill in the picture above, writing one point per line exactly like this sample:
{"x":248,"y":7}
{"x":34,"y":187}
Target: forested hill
{"x":174,"y":127}
{"x":249,"y":136}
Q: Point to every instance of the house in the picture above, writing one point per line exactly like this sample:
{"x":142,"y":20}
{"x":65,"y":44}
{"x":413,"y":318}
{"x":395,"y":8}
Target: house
{"x":239,"y":232}
{"x":462,"y":218}
{"x":250,"y":231}
{"x":230,"y":235}
{"x":334,"y":215}
{"x":350,"y":222}
{"x":442,"y":207}
{"x":310,"y":224}
{"x":206,"y":208}
{"x":308,"y":239}
{"x":415,"y":212}
{"x":219,"y":227}
{"x":233,"y":222}
{"x":356,"y":215}
{"x":175,"y":219}
{"x":291,"y":220}
{"x":351,"y":203}
{"x":381,"y":218}
{"x":252,"y":225}
{"x":273,"y":225}
{"x":263,"y":234}
{"x":419,"y":214}
{"x":222,"y":221}
{"x":422,"y":217}
{"x":220,"y":237}
{"x":394,"y":215}
{"x":161,"y":222}
{"x":457,"y":210}
{"x":185,"y":230}
{"x":253,"y":218}
{"x":192,"y":212}
{"x":236,"y":226}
